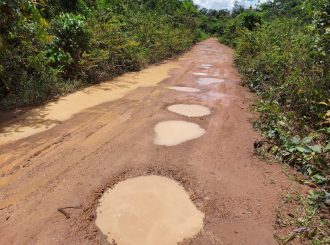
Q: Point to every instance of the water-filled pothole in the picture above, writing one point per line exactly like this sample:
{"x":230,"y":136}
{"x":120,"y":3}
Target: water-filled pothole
{"x":207,"y":66}
{"x":211,"y":95}
{"x":190,"y":110}
{"x":209,"y":80}
{"x":185,"y":89}
{"x":148,"y":210}
{"x":200,"y":74}
{"x":171,"y":133}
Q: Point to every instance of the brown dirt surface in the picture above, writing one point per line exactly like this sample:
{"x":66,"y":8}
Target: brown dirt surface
{"x":74,"y":162}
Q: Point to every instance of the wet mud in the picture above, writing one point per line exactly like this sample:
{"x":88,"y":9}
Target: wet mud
{"x":185,"y":89}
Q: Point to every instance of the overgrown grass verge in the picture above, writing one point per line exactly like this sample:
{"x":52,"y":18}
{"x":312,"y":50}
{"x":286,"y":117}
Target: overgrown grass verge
{"x":303,"y":219}
{"x":309,"y":222}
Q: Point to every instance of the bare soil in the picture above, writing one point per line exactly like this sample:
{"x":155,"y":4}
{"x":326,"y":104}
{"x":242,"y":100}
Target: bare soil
{"x":69,"y":166}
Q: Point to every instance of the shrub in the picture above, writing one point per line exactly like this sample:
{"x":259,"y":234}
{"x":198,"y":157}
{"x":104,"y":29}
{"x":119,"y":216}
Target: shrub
{"x":70,"y":40}
{"x":130,"y":41}
{"x":26,"y":76}
{"x":278,"y":60}
{"x":247,"y":20}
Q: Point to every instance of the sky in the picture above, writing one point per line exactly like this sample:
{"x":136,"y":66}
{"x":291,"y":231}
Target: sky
{"x":224,"y":4}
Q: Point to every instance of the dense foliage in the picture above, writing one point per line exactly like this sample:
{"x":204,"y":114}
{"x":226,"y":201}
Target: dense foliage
{"x":282,"y":52}
{"x":49,"y":47}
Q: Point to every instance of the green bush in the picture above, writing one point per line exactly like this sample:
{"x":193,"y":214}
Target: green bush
{"x":285,"y":59}
{"x":26,"y":75}
{"x":278,"y":60}
{"x":130,"y":41}
{"x":70,"y":40}
{"x":247,"y":20}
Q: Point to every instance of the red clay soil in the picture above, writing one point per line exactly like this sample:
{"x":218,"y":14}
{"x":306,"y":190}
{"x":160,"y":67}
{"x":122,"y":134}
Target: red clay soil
{"x":71,"y":164}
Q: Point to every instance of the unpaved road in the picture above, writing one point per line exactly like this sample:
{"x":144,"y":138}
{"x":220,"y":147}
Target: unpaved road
{"x":72,"y":163}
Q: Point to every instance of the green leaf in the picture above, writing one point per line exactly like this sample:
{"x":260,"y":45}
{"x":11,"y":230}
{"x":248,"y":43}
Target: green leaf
{"x":327,"y":147}
{"x":302,"y":149}
{"x":306,"y":140}
{"x":271,"y":133}
{"x":327,"y":198}
{"x":313,"y":196}
{"x":295,"y":140}
{"x":310,"y":171}
{"x":315,"y":148}
{"x":319,"y":179}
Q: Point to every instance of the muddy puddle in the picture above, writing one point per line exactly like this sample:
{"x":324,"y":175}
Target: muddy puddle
{"x":170,"y":133}
{"x":200,"y":74}
{"x":45,"y":117}
{"x":185,"y":89}
{"x":148,"y":210}
{"x":206,"y":66}
{"x":211,"y":95}
{"x":190,"y":110}
{"x":209,"y":80}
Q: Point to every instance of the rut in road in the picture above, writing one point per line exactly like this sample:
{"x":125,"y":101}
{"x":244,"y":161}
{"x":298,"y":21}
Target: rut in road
{"x":74,"y":162}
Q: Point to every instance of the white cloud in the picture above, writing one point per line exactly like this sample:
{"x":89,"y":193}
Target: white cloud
{"x":215,"y":4}
{"x":224,"y":4}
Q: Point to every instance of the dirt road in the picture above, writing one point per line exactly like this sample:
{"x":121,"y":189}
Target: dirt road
{"x":71,"y":163}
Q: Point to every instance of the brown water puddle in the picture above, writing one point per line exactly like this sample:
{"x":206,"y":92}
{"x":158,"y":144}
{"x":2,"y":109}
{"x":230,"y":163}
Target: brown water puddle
{"x":211,"y":95}
{"x":206,"y":66}
{"x":148,"y":210}
{"x":190,"y":110}
{"x":48,"y":116}
{"x":209,"y":80}
{"x":185,"y":89}
{"x":172,"y":133}
{"x":200,"y":74}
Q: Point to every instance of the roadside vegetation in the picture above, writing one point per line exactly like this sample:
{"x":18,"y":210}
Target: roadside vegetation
{"x":283,"y":52}
{"x":48,"y":48}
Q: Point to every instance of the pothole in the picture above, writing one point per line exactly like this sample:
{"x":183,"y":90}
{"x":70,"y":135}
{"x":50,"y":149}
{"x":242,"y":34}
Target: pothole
{"x":190,"y":110}
{"x":200,"y":74}
{"x":148,"y":210}
{"x":206,"y":66}
{"x":209,"y":80}
{"x":171,"y":133}
{"x":211,"y":95}
{"x":185,"y":89}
